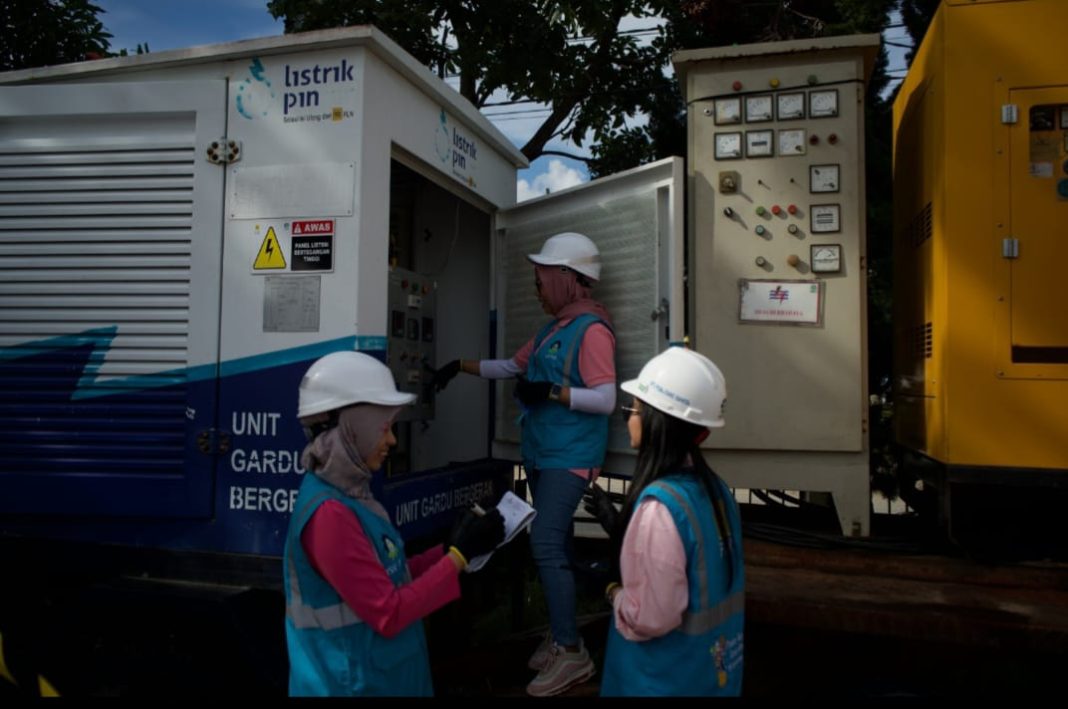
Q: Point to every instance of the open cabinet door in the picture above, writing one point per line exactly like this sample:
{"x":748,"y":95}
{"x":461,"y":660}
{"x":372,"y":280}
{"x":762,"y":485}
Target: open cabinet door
{"x":636,"y":220}
{"x":110,"y":255}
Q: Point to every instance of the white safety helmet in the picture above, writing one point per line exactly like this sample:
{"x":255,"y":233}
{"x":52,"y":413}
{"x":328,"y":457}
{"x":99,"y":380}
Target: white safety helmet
{"x":345,"y":378}
{"x":684,"y":384}
{"x":573,"y":250}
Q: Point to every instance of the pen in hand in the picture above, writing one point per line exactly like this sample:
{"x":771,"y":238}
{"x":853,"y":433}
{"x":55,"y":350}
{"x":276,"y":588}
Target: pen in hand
{"x":477,"y":509}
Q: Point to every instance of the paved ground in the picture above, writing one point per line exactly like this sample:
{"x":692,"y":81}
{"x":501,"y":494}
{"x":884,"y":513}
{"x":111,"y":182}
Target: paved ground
{"x":842,"y":623}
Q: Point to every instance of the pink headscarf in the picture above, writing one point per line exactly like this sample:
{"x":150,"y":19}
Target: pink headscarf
{"x":337,"y":455}
{"x":565,"y":296}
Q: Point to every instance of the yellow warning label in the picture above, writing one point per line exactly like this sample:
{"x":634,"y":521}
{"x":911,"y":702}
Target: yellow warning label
{"x":270,"y":255}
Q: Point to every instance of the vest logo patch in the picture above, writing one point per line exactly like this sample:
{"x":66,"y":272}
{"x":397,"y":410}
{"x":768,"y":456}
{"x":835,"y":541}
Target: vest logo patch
{"x":391,"y":548}
{"x":719,"y":658}
{"x":554,"y":349}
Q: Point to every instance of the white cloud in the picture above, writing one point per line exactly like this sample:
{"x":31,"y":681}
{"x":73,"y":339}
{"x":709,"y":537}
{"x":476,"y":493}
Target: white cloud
{"x":558,"y":177}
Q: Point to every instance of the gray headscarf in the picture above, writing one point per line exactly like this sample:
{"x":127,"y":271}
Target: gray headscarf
{"x":337,"y":455}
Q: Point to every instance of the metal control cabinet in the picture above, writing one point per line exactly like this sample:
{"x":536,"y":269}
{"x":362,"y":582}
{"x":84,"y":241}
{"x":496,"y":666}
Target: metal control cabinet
{"x":776,"y":260}
{"x":981,"y":208}
{"x":412,"y":330}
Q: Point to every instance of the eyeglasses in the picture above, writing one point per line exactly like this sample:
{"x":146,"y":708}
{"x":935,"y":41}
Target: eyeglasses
{"x":627,"y":412}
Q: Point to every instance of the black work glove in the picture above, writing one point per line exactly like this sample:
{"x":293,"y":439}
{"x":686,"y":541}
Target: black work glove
{"x":531,"y":393}
{"x":444,"y":374}
{"x":597,"y":502}
{"x":474,"y":535}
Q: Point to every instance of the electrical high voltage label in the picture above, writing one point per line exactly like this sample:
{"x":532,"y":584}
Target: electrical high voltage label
{"x":270,"y":257}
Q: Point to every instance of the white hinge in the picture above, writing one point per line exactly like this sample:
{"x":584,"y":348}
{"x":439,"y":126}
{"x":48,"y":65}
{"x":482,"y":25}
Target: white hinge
{"x":1009,"y":113}
{"x":1010,"y":248}
{"x":222,"y":151}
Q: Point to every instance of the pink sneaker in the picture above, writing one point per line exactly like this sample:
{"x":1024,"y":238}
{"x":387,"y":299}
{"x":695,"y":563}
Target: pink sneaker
{"x":541,"y":655}
{"x":564,"y":670}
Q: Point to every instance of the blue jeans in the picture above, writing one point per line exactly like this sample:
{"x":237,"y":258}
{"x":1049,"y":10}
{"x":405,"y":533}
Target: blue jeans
{"x":556,"y":494}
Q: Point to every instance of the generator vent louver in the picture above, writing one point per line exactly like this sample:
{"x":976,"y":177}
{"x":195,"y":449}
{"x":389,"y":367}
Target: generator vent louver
{"x":923,"y":341}
{"x":919,"y":229}
{"x":95,"y":259}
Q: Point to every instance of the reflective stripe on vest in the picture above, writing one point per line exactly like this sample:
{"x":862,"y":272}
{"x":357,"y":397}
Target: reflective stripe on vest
{"x":704,"y":620}
{"x":302,"y":616}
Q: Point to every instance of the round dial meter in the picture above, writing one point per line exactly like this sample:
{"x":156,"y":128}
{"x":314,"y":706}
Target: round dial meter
{"x":823,"y":178}
{"x":728,"y":110}
{"x":792,"y":142}
{"x":823,"y":104}
{"x":758,"y":109}
{"x":728,"y":146}
{"x":791,"y":106}
{"x":826,"y":258}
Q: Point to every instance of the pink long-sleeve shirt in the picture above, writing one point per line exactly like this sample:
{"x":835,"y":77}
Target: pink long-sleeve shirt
{"x":652,"y":565}
{"x":341,"y":553}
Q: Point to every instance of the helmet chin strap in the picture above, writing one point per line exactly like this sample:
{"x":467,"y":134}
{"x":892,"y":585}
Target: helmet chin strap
{"x":700,"y":437}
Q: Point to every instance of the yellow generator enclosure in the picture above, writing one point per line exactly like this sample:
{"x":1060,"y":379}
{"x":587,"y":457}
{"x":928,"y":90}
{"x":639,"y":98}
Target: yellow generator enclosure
{"x":981,"y":240}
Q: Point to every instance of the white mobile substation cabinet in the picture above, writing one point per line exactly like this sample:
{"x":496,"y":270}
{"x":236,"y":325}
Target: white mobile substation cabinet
{"x":182,"y":233}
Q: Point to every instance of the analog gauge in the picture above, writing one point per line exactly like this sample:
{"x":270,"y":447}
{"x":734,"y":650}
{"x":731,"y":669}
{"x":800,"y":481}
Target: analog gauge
{"x":728,"y":146}
{"x":826,"y":258}
{"x":728,"y":110}
{"x":758,"y":109}
{"x":792,"y":142}
{"x":758,"y":143}
{"x":823,"y":178}
{"x":823,"y":104}
{"x":791,"y":106}
{"x":826,"y":218}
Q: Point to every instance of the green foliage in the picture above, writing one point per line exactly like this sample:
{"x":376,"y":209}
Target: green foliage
{"x":570,"y":55}
{"x":45,"y":32}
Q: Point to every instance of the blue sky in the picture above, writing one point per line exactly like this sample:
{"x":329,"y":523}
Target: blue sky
{"x":176,"y":24}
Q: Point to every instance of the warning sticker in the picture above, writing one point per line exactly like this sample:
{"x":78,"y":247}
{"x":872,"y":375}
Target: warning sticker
{"x":313,"y":226}
{"x":313,"y":253}
{"x":270,"y":257}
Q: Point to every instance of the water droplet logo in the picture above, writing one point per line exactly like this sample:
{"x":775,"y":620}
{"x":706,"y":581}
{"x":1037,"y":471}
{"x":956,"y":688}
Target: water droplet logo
{"x":442,"y":139}
{"x":254,"y":95}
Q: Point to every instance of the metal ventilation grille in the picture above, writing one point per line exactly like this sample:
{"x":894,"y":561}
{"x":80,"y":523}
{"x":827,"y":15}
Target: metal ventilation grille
{"x":919,"y":229}
{"x":95,"y":253}
{"x":625,"y":231}
{"x":923,"y":341}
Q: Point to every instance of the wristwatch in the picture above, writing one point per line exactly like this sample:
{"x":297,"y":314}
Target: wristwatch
{"x":554,"y":392}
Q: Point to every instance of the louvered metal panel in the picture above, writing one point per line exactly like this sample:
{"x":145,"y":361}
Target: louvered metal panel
{"x":104,"y":218}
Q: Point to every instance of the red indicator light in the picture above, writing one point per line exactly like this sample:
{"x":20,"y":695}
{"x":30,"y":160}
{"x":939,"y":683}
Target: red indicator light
{"x":792,"y":209}
{"x":776,"y":210}
{"x":813,"y":139}
{"x":832,"y":138}
{"x":737,"y":86}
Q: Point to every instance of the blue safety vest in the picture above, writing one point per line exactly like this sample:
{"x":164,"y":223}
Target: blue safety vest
{"x":331,"y":651}
{"x":703,"y":656}
{"x":554,"y":436}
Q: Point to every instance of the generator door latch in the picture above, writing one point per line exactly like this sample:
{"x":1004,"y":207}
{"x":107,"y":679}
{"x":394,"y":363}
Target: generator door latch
{"x":212,"y":440}
{"x":1010,"y":248}
{"x":223,"y":151}
{"x":1009,"y":113}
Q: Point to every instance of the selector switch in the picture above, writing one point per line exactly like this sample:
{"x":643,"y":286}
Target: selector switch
{"x":728,"y":212}
{"x":728,"y":181}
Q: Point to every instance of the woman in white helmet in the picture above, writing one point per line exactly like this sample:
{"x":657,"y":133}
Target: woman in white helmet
{"x":354,"y":601}
{"x":678,"y":608}
{"x":566,"y":383}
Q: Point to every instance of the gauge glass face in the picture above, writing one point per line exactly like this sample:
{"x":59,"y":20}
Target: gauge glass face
{"x":791,"y":106}
{"x":823,"y":104}
{"x":758,"y":143}
{"x":757,"y":109}
{"x":792,"y":142}
{"x":728,"y":146}
{"x":826,"y":218}
{"x":823,"y":178}
{"x":826,"y":258}
{"x":728,"y":110}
